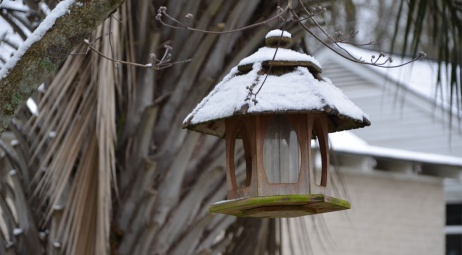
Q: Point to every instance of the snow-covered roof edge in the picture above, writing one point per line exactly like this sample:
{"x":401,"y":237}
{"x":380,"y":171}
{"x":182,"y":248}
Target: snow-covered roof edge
{"x":294,"y":87}
{"x":347,"y":142}
{"x":228,"y":99}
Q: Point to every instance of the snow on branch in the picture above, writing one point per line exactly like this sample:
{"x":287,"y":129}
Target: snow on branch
{"x":61,"y":9}
{"x":46,"y":48}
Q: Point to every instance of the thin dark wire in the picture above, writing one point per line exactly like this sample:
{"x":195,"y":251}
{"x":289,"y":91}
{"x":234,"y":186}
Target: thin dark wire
{"x":274,"y":57}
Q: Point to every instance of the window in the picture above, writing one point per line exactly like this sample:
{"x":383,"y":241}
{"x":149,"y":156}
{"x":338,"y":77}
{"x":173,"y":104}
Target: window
{"x":454,"y":229}
{"x":454,"y":214}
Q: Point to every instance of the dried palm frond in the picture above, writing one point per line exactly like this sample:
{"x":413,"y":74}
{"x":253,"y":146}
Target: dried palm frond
{"x":79,"y":107}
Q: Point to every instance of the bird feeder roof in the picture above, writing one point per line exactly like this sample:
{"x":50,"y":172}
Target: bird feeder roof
{"x":284,"y":81}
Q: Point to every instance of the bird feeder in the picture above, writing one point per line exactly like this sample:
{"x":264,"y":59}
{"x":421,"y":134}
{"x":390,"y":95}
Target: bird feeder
{"x":270,"y":109}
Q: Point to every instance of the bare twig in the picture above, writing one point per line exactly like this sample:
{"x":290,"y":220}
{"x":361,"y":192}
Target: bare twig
{"x":292,"y":16}
{"x":254,"y":100}
{"x":162,"y":63}
{"x":338,"y":36}
{"x":163,"y":12}
{"x":336,"y":41}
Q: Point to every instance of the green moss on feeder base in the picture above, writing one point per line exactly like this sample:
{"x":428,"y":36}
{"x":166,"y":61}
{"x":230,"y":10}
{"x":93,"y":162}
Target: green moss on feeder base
{"x":285,"y":206}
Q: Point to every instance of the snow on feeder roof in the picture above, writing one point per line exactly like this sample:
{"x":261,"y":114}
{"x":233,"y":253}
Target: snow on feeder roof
{"x":293,"y":85}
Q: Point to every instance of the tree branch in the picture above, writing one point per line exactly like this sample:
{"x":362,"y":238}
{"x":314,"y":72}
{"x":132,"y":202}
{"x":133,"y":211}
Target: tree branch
{"x":179,"y":25}
{"x":20,"y":78}
{"x":348,"y":55}
{"x":159,"y":64}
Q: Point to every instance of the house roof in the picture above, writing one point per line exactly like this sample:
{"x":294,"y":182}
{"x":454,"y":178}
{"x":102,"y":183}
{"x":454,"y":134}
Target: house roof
{"x":350,"y":143}
{"x":400,"y":102}
{"x":410,"y":163}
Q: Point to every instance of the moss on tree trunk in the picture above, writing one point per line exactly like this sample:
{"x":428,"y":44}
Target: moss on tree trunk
{"x":44,"y":56}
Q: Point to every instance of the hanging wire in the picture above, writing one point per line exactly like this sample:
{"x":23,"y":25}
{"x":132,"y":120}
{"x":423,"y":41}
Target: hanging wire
{"x":282,"y":28}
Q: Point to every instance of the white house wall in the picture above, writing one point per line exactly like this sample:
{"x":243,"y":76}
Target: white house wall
{"x":389,"y":215}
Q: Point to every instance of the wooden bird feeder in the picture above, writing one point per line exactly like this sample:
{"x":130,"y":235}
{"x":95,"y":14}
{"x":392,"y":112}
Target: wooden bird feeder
{"x":269,"y":109}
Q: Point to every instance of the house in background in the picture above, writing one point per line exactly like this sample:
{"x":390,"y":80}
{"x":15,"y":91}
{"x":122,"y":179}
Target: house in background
{"x":403,"y":173}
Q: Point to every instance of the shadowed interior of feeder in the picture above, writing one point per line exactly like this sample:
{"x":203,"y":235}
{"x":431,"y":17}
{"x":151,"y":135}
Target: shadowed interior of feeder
{"x":242,"y":159}
{"x":281,"y":152}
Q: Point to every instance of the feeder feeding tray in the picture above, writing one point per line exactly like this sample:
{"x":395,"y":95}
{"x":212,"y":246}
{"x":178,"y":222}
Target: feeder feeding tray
{"x":285,"y":206}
